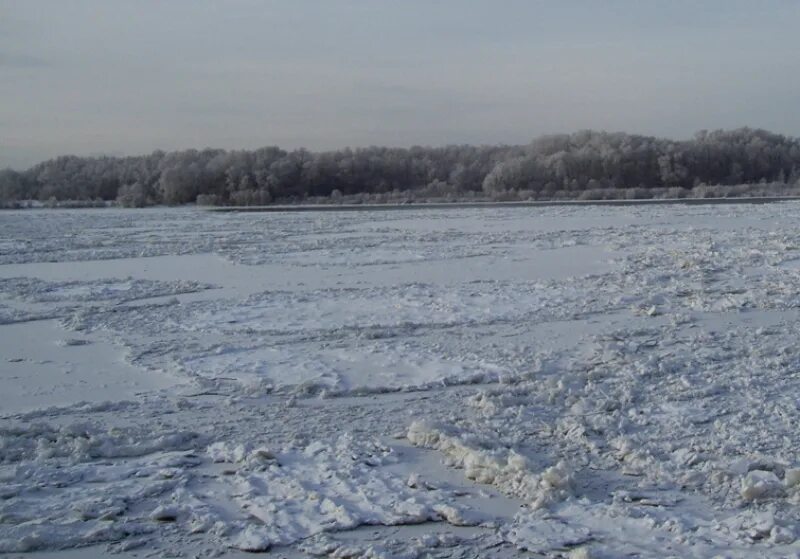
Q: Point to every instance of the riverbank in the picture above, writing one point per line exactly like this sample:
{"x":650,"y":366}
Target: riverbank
{"x":520,"y":204}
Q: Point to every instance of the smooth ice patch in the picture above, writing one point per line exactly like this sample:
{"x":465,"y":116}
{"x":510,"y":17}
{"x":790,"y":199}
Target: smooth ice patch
{"x":44,"y":365}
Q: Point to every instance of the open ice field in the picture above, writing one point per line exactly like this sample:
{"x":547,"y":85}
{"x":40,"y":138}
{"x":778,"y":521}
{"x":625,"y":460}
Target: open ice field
{"x":504,"y":382}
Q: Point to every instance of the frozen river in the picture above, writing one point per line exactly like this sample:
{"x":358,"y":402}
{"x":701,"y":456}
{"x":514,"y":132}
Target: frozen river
{"x":564,"y":381}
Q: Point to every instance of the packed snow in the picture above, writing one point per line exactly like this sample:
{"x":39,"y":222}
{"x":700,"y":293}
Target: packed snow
{"x":556,"y":382}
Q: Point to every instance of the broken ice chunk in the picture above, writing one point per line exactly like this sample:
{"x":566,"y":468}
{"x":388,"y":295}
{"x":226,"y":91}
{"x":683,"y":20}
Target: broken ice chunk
{"x":760,"y":484}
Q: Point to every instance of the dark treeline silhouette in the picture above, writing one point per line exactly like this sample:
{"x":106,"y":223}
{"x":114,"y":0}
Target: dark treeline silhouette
{"x":584,"y":165}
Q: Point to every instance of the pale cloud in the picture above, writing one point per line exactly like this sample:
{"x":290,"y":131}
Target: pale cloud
{"x":95,"y":76}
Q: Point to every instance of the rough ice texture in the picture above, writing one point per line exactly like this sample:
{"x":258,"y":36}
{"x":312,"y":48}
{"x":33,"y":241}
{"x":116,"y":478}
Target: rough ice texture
{"x":564,"y":381}
{"x":483,"y":462}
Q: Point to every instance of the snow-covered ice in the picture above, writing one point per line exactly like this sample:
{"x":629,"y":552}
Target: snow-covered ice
{"x":562,"y":381}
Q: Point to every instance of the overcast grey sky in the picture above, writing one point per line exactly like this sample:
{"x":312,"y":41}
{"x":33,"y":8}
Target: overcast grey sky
{"x":128,"y":77}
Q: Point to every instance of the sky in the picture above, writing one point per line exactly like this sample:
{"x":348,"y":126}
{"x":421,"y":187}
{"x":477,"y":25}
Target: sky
{"x":91,"y":77}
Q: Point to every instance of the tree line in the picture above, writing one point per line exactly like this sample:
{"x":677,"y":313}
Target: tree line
{"x":586,"y":164}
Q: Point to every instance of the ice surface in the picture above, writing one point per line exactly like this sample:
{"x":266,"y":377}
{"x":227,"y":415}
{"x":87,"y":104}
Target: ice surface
{"x":48,"y":366}
{"x":566,"y":381}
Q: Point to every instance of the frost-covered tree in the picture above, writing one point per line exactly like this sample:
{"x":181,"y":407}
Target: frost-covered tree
{"x":12,"y":188}
{"x":132,"y":196}
{"x":587,"y":163}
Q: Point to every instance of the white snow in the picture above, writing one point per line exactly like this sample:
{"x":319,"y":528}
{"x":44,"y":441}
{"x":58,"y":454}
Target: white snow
{"x":563,"y":381}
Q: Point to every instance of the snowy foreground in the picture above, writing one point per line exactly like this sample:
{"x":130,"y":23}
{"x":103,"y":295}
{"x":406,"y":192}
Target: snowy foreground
{"x":494,"y":382}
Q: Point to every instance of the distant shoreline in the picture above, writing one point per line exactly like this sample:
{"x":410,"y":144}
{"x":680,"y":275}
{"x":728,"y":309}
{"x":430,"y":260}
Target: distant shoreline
{"x":515,"y":204}
{"x":349,"y":207}
{"x":586,"y":165}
